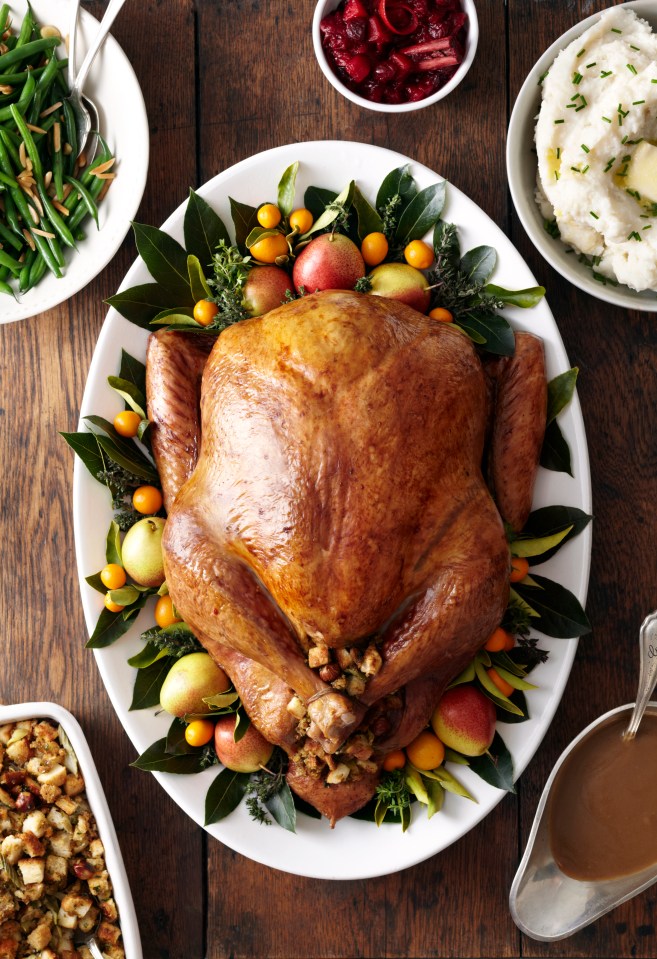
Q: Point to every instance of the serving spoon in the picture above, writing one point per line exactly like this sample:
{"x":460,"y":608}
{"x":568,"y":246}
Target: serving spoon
{"x":546,"y":904}
{"x":89,"y":940}
{"x":86,"y":113}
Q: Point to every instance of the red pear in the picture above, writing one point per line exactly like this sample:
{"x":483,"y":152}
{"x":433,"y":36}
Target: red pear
{"x":329,"y":262}
{"x":265,"y":289}
{"x":464,"y":720}
{"x":399,"y":281}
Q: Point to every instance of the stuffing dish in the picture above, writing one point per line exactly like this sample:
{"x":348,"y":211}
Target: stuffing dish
{"x":54,"y":882}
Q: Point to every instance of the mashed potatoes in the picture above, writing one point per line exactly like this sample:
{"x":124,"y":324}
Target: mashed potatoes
{"x":599,"y":104}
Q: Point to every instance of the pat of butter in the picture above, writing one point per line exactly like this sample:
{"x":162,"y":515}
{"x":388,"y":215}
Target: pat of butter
{"x":642,"y":174}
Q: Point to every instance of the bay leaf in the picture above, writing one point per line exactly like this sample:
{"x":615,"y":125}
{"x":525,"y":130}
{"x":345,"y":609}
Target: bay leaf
{"x":224,"y":795}
{"x":203,"y":229}
{"x":166,"y":261}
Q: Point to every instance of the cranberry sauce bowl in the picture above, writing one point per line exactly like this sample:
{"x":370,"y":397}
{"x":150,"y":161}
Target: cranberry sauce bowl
{"x":395,"y":55}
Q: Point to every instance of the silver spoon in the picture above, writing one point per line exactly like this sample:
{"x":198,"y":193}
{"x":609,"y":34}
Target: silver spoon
{"x":86,"y":113}
{"x":546,"y":904}
{"x":89,"y":940}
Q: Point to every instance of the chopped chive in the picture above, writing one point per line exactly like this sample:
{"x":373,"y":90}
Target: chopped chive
{"x":610,"y":163}
{"x":542,"y":77}
{"x":624,"y":140}
{"x":581,"y":52}
{"x":648,"y":226}
{"x":585,"y":169}
{"x":634,"y":193}
{"x":606,"y":119}
{"x":653,"y":81}
{"x":594,"y":215}
{"x":634,"y":236}
{"x":585,"y":148}
{"x":589,"y":65}
{"x":635,"y":103}
{"x":604,"y":279}
{"x":556,"y":174}
{"x":605,"y":73}
{"x":631,"y":68}
{"x":575,"y":96}
{"x":632,"y":47}
{"x":577,"y":78}
{"x":616,"y":30}
{"x":559,"y":121}
{"x":558,"y":153}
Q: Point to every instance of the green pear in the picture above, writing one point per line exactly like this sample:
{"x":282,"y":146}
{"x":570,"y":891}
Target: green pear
{"x":190,"y":679}
{"x":399,"y":281}
{"x":141,"y":551}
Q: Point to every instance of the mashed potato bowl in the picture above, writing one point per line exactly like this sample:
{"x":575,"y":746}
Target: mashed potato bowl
{"x":521,"y":158}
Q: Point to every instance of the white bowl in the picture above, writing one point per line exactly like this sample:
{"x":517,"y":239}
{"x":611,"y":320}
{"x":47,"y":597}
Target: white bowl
{"x":326,"y":6}
{"x":99,"y":807}
{"x":521,"y":164}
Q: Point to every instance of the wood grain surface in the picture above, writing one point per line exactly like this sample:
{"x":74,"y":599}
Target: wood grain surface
{"x":224,"y":80}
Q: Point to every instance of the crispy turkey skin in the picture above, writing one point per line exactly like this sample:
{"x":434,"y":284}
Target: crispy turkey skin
{"x":338,"y":502}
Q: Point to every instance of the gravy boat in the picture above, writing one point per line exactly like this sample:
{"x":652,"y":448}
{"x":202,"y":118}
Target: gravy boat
{"x":546,"y":904}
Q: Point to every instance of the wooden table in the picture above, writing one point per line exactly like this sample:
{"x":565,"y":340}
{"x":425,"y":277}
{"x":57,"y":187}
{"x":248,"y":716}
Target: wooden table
{"x":223,"y":81}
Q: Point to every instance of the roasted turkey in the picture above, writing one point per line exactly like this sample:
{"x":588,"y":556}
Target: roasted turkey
{"x":330,"y":537}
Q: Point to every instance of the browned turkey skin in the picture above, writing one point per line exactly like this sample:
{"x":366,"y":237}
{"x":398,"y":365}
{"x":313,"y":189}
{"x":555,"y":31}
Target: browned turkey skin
{"x":336,"y":517}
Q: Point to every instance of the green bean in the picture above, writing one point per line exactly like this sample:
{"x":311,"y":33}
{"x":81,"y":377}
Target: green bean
{"x":71,"y":135}
{"x":44,"y":83}
{"x":37,"y":271}
{"x":12,"y":216}
{"x":24,"y":276}
{"x":4,"y":16}
{"x":27,"y":50}
{"x":86,"y":197}
{"x":31,"y":149}
{"x":8,"y":261}
{"x":79,"y":213}
{"x":58,"y":169}
{"x":23,"y":101}
{"x":53,"y":243}
{"x":27,"y":28}
{"x":11,"y":144}
{"x":39,"y":241}
{"x":20,"y":78}
{"x":11,"y":238}
{"x":56,"y":220}
{"x":5,"y":288}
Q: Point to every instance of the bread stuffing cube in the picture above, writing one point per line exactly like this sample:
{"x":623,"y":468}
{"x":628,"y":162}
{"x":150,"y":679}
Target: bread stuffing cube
{"x":32,"y":870}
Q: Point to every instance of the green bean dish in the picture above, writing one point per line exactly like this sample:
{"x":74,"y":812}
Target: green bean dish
{"x":47,"y":190}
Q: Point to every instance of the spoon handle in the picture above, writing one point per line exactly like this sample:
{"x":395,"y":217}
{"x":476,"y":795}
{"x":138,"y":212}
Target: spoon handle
{"x":110,"y":15}
{"x":647,"y":672}
{"x":72,"y":37}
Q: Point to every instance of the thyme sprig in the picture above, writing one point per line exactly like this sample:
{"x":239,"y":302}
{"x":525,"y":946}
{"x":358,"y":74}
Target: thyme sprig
{"x":231,"y":269}
{"x":264,"y":784}
{"x":393,"y":796}
{"x":456,"y":290}
{"x":177,"y":642}
{"x":121,"y":484}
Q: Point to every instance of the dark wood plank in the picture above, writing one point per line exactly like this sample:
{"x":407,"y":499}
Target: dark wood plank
{"x":617,"y":386}
{"x":43,"y":368}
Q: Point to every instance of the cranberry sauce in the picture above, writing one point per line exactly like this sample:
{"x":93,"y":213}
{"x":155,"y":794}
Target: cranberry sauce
{"x":395,"y":51}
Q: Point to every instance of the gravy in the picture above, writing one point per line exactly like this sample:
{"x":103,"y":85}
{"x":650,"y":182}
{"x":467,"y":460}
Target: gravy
{"x":602,"y":813}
